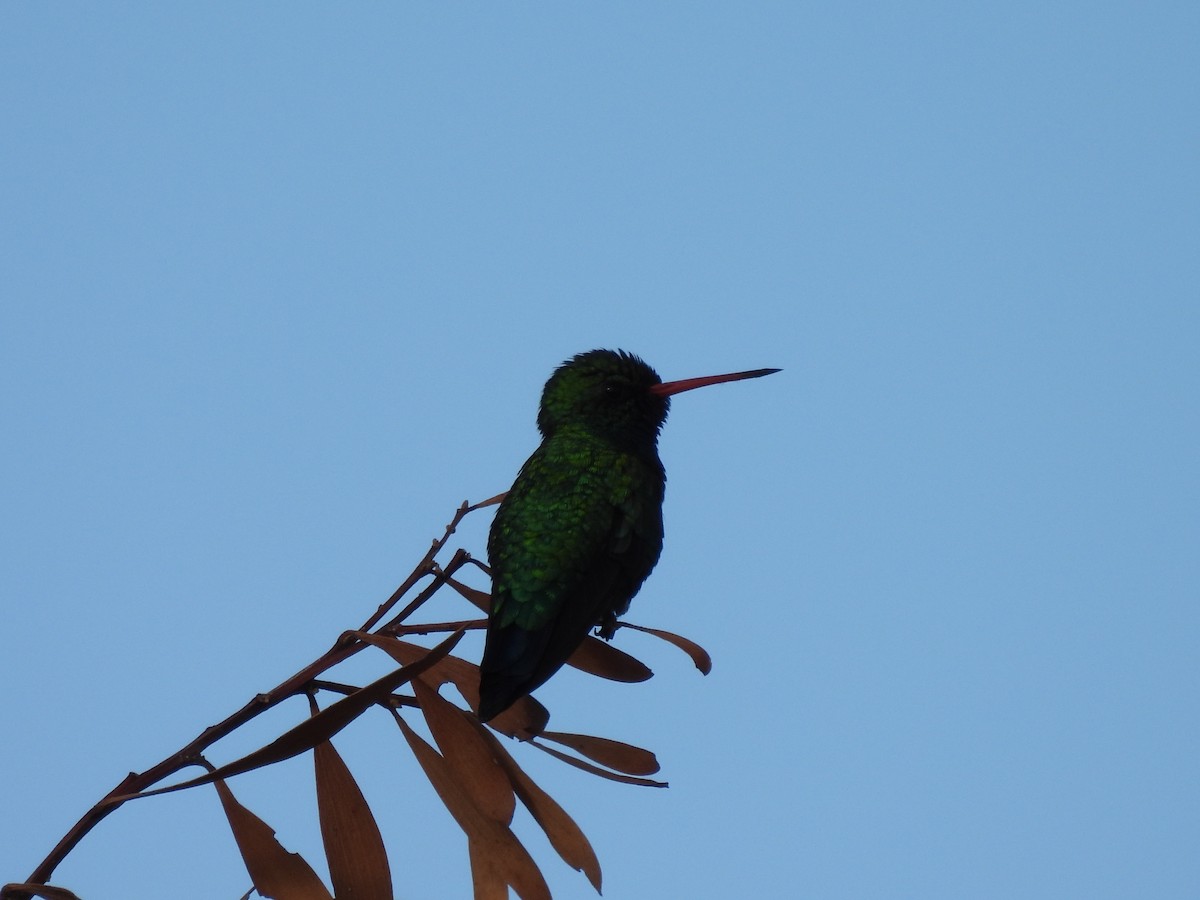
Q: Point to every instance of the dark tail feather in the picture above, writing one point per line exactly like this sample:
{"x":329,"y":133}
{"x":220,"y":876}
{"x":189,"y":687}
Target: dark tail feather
{"x":497,"y":693}
{"x":509,"y":668}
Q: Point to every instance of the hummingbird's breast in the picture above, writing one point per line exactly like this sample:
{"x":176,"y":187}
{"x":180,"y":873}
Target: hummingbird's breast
{"x":582,"y":513}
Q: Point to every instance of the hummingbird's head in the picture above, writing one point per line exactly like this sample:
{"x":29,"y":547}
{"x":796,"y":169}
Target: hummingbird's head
{"x":609,"y":391}
{"x":615,"y":394}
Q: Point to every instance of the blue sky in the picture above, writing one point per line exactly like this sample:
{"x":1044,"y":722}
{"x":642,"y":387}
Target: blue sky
{"x":282,"y":284}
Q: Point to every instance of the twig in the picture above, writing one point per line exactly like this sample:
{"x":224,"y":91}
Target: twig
{"x":300,"y":683}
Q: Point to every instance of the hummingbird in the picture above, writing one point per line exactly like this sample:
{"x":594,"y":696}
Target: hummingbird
{"x":581,"y":528}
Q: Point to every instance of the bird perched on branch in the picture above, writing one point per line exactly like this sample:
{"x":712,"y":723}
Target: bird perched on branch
{"x":581,"y":527}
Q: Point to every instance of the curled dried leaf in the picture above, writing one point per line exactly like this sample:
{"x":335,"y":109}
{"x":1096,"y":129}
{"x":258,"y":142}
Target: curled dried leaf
{"x":596,"y":770}
{"x":614,"y":754}
{"x":698,"y":654}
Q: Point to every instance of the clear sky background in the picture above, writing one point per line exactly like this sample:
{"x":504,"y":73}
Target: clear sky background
{"x":280,"y":287}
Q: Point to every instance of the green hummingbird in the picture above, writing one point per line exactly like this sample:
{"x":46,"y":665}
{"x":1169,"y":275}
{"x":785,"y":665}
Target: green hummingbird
{"x":581,"y":527}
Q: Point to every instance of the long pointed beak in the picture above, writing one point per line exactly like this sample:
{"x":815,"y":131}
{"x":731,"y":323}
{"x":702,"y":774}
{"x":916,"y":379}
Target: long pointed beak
{"x":667,"y":388}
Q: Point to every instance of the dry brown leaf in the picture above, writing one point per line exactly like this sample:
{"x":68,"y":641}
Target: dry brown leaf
{"x":614,"y":754}
{"x":489,"y":884}
{"x":468,"y":756}
{"x":276,"y":873}
{"x":501,"y":850}
{"x":490,"y":501}
{"x":358,"y":863}
{"x":453,"y":669}
{"x":698,"y":654}
{"x":564,"y":835}
{"x":596,"y":770}
{"x":522,"y":720}
{"x":324,"y":724}
{"x":481,"y":600}
{"x":597,"y":657}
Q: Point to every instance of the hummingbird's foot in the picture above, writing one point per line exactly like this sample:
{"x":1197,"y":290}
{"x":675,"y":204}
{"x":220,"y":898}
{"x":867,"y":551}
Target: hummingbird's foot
{"x":608,"y":627}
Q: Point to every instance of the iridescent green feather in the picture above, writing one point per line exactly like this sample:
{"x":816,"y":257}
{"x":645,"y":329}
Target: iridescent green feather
{"x":577,"y":504}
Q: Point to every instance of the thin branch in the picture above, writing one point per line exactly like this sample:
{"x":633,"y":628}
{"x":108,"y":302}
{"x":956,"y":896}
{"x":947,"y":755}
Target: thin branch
{"x":437,"y":627}
{"x":298,"y":684}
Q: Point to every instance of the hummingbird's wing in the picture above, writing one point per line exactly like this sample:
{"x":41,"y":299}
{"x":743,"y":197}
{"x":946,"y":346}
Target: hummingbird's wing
{"x":572,"y":543}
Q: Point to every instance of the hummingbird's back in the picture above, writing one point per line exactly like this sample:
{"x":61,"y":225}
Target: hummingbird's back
{"x":571,"y":544}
